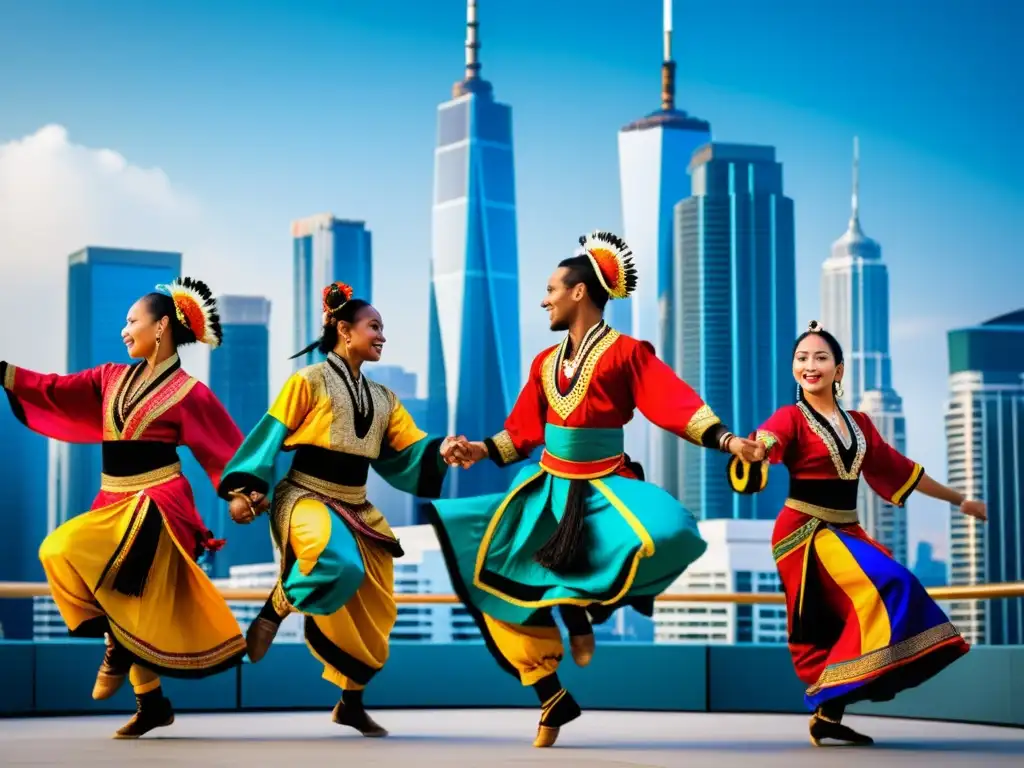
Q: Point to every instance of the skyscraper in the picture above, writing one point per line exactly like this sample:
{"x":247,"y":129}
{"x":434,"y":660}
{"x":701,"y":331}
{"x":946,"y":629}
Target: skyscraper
{"x":240,"y":378}
{"x":103,"y":283}
{"x":326,"y":249}
{"x":473,"y":369}
{"x":735,"y":313}
{"x":654,"y":158}
{"x":23,"y":476}
{"x":855,"y":309}
{"x":984,"y":443}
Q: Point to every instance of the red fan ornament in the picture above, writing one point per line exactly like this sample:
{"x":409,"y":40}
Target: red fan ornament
{"x":335,"y":295}
{"x":196,"y":309}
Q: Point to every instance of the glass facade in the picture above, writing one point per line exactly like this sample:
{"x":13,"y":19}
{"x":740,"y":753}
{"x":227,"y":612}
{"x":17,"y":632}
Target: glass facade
{"x":326,"y":249}
{"x":735,"y":314}
{"x":473,"y":367}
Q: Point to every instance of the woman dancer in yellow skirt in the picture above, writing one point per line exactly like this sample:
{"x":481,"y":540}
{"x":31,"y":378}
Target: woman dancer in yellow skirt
{"x":127,"y":569}
{"x":337,"y":549}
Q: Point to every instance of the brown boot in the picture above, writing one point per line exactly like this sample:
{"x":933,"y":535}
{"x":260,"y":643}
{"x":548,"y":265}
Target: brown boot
{"x":350,"y":711}
{"x":153,"y":710}
{"x":113,"y":670}
{"x":826,"y":724}
{"x":582,"y":647}
{"x":263,"y":629}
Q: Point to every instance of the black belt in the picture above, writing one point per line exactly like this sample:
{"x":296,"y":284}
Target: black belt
{"x":830,"y":493}
{"x":331,"y":466}
{"x":125,"y":458}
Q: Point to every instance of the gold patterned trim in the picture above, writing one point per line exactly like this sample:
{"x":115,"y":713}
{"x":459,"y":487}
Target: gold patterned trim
{"x":836,"y":516}
{"x":346,"y":494}
{"x":791,"y":542}
{"x":136,"y":483}
{"x":564,"y":405}
{"x":902,"y":652}
{"x":197,"y":660}
{"x":700,"y":422}
{"x":833,"y":448}
{"x":279,"y":600}
{"x":9,"y":377}
{"x":160,"y":408}
{"x":770,"y":439}
{"x":141,"y":510}
{"x":506,"y":448}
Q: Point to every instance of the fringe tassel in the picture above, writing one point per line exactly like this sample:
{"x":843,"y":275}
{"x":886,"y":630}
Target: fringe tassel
{"x":134,"y":571}
{"x":566,"y":551}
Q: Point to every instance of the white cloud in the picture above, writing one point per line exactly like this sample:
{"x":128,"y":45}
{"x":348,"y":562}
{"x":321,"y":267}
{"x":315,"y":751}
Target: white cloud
{"x":55,"y":198}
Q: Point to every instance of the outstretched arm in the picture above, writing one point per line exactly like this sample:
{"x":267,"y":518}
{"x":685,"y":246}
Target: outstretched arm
{"x":894,"y":477}
{"x":672,"y":404}
{"x":523,"y":432}
{"x":67,"y":408}
{"x":410,"y":459}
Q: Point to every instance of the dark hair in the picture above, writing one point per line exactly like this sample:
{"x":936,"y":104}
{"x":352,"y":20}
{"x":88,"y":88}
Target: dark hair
{"x":345,"y":312}
{"x":815,"y":329}
{"x":581,"y":270}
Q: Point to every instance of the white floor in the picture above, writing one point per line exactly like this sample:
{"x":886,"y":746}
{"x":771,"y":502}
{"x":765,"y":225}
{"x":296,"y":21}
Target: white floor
{"x":421,"y":738}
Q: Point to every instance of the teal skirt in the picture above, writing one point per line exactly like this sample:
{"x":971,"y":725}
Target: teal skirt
{"x":639,"y":540}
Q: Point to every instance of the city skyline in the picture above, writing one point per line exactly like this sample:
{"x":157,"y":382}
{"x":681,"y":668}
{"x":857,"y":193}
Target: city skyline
{"x":809,"y":118}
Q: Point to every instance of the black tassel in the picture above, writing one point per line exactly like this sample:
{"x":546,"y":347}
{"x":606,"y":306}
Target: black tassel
{"x":133,"y":574}
{"x":566,"y":551}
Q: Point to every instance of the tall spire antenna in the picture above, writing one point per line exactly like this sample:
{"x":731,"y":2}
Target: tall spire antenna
{"x":668,"y":67}
{"x":855,"y":197}
{"x":472,"y":42}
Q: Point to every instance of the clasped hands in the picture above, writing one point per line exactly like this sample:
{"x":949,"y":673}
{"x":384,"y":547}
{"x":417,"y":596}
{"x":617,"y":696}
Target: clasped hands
{"x":460,"y":452}
{"x":747,"y":449}
{"x":244,"y":508}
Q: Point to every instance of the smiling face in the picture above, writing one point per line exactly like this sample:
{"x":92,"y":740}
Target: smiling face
{"x":814,"y":366}
{"x":364,"y":336}
{"x":561,"y":300}
{"x":142,"y":329}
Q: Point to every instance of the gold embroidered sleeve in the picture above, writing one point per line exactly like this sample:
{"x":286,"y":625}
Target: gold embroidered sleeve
{"x":700,"y":426}
{"x":501,"y":450}
{"x":768,"y":438}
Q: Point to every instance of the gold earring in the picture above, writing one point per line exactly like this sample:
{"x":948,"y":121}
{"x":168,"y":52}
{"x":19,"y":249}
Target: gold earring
{"x":839,"y":388}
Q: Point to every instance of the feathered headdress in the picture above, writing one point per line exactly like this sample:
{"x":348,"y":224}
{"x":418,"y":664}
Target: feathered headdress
{"x":196,"y":309}
{"x":613,"y":262}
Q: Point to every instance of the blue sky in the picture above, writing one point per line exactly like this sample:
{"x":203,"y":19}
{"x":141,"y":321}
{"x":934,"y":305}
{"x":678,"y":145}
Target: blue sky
{"x":260,"y":113}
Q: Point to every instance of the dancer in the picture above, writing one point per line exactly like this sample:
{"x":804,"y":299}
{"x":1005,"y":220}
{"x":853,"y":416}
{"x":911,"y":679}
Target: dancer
{"x":861,"y":626}
{"x":126,"y":570}
{"x":336,"y":548}
{"x":581,"y":530}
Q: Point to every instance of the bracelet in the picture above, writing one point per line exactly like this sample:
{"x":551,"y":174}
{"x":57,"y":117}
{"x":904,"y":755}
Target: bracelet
{"x":723,"y":441}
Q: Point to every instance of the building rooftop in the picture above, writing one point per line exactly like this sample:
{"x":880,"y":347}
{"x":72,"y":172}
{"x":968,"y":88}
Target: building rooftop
{"x":736,"y":153}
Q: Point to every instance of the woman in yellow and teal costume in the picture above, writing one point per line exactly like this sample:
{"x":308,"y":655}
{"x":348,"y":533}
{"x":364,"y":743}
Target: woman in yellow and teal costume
{"x":581,"y":530}
{"x":336,"y":548}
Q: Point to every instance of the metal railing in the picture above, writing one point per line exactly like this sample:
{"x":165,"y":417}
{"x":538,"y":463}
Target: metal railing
{"x":18,"y":589}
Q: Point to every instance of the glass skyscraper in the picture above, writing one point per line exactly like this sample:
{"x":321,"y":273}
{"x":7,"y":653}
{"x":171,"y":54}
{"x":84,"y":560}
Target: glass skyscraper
{"x":855,"y":309}
{"x":23,"y":476}
{"x":735,"y":314}
{"x":473,"y":368}
{"x":326,"y":249}
{"x":103,"y":283}
{"x":984,"y":447}
{"x":240,"y":378}
{"x":654,"y":158}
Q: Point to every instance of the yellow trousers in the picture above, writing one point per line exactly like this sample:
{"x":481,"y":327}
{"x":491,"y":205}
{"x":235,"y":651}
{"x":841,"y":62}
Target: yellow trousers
{"x":179,"y":624}
{"x":535,"y":652}
{"x":355,"y":625}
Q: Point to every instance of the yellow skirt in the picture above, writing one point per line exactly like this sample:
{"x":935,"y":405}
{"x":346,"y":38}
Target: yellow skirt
{"x":180,"y":626}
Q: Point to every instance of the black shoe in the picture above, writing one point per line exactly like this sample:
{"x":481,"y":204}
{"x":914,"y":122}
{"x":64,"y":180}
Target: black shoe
{"x":824,"y":727}
{"x":350,"y":711}
{"x":153,"y":710}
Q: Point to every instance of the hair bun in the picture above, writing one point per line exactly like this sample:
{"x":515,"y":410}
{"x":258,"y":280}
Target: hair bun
{"x":335,"y":296}
{"x":814,"y":326}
